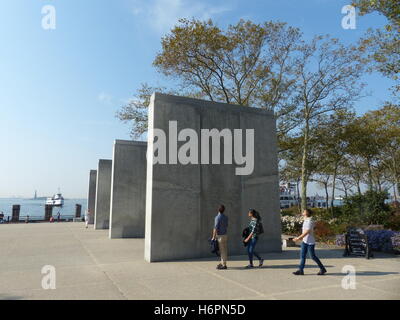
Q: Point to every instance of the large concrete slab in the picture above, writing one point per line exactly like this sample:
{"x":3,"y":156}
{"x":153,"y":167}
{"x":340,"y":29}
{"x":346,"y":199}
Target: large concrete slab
{"x":91,"y":202}
{"x":182,"y":200}
{"x":103,"y":194}
{"x":90,"y":266}
{"x":128,"y":190}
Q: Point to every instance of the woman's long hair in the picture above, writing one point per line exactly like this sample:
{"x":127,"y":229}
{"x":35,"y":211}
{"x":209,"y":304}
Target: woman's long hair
{"x":255,"y":214}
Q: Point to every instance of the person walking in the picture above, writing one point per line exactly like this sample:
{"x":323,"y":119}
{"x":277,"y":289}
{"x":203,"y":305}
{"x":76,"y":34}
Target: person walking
{"x":308,"y":244}
{"x":251,"y":240}
{"x":220,"y":234}
{"x":87,"y":218}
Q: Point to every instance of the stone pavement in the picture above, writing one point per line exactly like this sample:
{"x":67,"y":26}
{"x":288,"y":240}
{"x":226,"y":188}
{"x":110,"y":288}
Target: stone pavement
{"x":91,"y":266}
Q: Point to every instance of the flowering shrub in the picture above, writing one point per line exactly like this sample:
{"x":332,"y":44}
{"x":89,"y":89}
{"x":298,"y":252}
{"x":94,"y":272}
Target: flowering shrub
{"x":333,"y":221}
{"x":396,"y":241}
{"x":341,"y":240}
{"x":378,"y":240}
{"x":291,"y":224}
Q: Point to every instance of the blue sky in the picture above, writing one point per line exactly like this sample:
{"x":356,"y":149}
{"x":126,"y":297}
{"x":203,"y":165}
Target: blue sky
{"x":60,"y":89}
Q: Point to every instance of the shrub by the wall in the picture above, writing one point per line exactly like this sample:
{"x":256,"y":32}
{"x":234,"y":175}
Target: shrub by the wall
{"x":291,"y":224}
{"x":323,"y":230}
{"x":378,"y":240}
{"x":396,"y":241}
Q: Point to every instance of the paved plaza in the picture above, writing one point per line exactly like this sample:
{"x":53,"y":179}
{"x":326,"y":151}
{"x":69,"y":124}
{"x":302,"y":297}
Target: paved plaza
{"x":91,"y":266}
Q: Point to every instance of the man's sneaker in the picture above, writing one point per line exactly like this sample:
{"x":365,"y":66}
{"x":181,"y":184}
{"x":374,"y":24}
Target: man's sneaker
{"x":221,"y":267}
{"x":249,"y":266}
{"x":299,"y":273}
{"x":321,"y":272}
{"x":261,"y":263}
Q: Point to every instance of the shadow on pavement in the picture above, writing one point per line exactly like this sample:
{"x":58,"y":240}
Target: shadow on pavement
{"x":7,"y":297}
{"x":364,"y":273}
{"x":293,"y":254}
{"x":265,"y":266}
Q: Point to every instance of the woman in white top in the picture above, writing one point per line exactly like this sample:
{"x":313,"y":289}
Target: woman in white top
{"x":308,"y":244}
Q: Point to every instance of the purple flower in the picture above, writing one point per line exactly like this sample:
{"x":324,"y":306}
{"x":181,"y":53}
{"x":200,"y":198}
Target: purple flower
{"x":378,"y":240}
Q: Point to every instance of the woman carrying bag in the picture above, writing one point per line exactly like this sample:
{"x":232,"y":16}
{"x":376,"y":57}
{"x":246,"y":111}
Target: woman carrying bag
{"x":255,"y":228}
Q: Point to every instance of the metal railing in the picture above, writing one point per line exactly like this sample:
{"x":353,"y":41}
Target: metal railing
{"x":29,"y":218}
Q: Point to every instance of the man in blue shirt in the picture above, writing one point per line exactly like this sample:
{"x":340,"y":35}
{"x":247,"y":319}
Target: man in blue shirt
{"x":220,"y":234}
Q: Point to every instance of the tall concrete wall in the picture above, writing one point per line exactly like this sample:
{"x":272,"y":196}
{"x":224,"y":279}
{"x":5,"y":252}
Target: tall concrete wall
{"x":182,"y":200}
{"x":103,"y":193}
{"x":91,"y":204}
{"x":128,"y":190}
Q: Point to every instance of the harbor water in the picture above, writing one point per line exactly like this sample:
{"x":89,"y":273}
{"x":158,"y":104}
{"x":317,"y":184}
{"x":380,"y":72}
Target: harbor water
{"x":35,"y":208}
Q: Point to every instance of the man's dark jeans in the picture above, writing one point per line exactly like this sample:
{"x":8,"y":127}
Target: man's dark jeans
{"x":303,"y":255}
{"x":250,"y":250}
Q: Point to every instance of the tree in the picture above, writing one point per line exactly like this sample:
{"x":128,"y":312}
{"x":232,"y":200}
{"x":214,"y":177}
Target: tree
{"x":333,"y":149}
{"x":328,"y":76}
{"x":248,"y":64}
{"x":135,"y":111}
{"x":367,"y":208}
{"x":290,"y":159}
{"x":345,"y":179}
{"x":383,"y":49}
{"x":323,"y":178}
{"x":363,"y":150}
{"x":386,"y":131}
{"x":383,"y":45}
{"x":356,"y":168}
{"x":389,"y":8}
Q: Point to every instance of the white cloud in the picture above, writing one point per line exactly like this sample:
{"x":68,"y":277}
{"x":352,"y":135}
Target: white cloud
{"x":162,"y":15}
{"x":104,"y":98}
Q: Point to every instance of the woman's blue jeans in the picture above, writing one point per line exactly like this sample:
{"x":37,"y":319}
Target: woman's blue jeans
{"x":303,"y":255}
{"x":250,"y":250}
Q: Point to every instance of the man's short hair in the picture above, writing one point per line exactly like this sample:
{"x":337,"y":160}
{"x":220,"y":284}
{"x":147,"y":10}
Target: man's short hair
{"x":221,"y":208}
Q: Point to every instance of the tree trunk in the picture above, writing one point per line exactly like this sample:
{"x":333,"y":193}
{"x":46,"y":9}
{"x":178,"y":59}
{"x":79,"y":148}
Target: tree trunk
{"x":358,"y":188}
{"x":326,"y":194}
{"x":379,"y":185}
{"x":396,"y":175}
{"x":304,"y":173}
{"x":333,"y":189}
{"x":398,"y":189}
{"x":298,"y":194}
{"x":344,"y":188}
{"x":370,"y":183}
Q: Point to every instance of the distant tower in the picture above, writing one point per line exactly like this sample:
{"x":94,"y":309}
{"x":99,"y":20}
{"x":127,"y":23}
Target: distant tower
{"x":35,"y":195}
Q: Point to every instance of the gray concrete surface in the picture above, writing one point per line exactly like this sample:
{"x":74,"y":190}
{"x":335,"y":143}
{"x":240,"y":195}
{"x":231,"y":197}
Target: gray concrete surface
{"x":128,"y":190}
{"x":182,"y":200}
{"x":103,"y":195}
{"x":90,"y":266}
{"x":91,"y":204}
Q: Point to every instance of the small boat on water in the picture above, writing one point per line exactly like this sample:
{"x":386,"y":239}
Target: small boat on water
{"x":56,"y":201}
